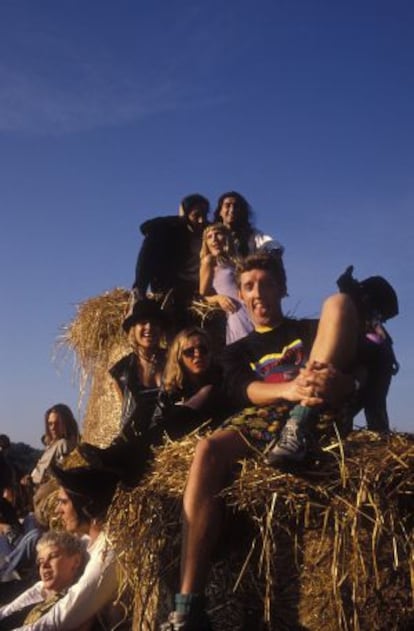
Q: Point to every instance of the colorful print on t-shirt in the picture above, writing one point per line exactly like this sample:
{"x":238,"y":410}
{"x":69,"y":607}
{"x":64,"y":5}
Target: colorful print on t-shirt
{"x":283,"y":366}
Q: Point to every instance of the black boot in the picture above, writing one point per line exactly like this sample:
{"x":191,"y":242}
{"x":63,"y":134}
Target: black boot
{"x":129,"y":455}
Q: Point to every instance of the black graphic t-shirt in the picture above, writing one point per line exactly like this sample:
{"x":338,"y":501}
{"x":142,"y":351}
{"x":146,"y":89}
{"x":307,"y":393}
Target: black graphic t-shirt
{"x":273,"y":356}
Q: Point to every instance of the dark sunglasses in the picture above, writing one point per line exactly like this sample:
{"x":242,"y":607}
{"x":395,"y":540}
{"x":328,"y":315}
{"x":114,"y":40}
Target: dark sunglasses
{"x":191,"y":351}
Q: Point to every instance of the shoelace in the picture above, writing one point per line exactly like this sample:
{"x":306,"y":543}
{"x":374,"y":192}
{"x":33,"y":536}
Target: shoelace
{"x":289,"y":437}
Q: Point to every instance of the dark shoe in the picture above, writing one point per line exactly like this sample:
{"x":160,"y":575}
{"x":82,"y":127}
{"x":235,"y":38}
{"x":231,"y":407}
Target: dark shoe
{"x":291,"y":446}
{"x":182,"y":622}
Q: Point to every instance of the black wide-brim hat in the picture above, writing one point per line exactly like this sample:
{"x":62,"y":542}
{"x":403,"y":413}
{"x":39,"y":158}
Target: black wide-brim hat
{"x":96,"y":487}
{"x":145,"y":310}
{"x":380,"y":296}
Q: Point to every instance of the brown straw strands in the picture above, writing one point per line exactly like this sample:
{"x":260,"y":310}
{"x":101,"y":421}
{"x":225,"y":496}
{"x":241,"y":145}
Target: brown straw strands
{"x":96,"y":329}
{"x":97,"y":340}
{"x":204,"y":311}
{"x":327,"y":547}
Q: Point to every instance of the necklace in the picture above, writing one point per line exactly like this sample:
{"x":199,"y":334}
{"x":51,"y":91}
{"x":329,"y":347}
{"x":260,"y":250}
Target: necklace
{"x":152,"y":361}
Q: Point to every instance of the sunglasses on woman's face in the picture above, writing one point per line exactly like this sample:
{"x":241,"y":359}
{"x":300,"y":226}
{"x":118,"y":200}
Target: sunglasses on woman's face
{"x":201,"y":349}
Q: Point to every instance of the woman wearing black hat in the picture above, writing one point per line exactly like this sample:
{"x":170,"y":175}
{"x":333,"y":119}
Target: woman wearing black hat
{"x":138,"y":379}
{"x":138,"y":375}
{"x":190,"y":396}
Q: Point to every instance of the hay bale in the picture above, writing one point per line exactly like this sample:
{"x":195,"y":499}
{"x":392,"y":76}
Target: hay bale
{"x":97,"y":340}
{"x":327,"y":548}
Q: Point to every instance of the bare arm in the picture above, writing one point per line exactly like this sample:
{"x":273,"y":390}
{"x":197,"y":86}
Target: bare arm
{"x":206,"y":287}
{"x":262,"y":393}
{"x":206,"y":276}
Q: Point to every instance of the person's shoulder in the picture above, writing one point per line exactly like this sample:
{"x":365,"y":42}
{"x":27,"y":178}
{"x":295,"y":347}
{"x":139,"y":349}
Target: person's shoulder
{"x":239,"y":345}
{"x":124,"y":361}
{"x":122,"y":364}
{"x":157,"y":224}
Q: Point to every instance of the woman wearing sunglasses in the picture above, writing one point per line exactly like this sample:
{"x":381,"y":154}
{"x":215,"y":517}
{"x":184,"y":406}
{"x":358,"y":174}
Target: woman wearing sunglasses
{"x":190,"y":391}
{"x":189,"y":396}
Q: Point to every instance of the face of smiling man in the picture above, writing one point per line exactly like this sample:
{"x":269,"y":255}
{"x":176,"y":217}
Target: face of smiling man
{"x":262,"y":296}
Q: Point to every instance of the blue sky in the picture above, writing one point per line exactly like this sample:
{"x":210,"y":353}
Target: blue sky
{"x":111,"y":112}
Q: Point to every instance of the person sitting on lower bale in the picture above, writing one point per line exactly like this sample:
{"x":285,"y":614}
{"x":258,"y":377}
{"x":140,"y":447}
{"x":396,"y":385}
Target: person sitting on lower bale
{"x":61,"y":559}
{"x":190,"y":395}
{"x":265,"y":369}
{"x":137,"y":376}
{"x":191,"y":391}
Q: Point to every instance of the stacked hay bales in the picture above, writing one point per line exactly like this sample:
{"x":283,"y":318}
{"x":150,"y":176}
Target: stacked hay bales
{"x":329,"y":547}
{"x":325,"y":548}
{"x":97,"y":339}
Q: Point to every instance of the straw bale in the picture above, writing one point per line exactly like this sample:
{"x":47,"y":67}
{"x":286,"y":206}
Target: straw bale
{"x":328,"y":546}
{"x":97,"y":340}
{"x":96,"y":329}
{"x":103,"y":409}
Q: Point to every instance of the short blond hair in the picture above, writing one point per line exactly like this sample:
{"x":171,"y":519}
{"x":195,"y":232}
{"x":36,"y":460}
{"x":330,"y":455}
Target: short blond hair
{"x":69,"y":543}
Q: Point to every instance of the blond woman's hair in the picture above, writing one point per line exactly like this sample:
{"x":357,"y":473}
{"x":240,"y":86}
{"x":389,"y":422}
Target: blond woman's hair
{"x":229,"y":248}
{"x":174,"y":376}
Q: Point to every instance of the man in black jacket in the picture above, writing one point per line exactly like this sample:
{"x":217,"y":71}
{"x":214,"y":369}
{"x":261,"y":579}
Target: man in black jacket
{"x":169,"y":259}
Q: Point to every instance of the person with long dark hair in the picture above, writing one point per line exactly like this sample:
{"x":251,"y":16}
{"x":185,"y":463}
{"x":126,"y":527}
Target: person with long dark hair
{"x":234,"y":211}
{"x":60,"y":438}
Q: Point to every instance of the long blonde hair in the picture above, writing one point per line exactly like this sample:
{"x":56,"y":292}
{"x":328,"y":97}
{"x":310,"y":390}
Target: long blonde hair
{"x":229,"y":247}
{"x":174,"y":376}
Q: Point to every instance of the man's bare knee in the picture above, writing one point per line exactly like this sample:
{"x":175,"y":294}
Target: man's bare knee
{"x":340,"y":307}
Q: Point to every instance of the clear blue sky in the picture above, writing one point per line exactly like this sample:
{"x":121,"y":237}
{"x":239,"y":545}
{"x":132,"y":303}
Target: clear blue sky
{"x":110,"y":112}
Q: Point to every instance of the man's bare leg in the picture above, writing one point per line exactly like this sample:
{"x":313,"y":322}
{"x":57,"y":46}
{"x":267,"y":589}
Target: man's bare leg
{"x":338,"y":331}
{"x":203,"y":512}
{"x":333,"y":351}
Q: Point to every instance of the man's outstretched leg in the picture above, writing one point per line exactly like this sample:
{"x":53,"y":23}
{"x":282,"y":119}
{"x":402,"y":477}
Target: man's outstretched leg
{"x":203,"y":517}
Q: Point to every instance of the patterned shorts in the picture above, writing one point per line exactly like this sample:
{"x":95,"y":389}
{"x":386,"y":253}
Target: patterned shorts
{"x":261,"y":425}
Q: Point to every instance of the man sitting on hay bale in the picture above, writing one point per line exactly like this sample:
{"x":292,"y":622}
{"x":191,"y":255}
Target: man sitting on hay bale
{"x":265,"y":369}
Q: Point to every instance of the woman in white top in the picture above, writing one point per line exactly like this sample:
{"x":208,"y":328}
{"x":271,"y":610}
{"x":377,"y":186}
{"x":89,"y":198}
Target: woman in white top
{"x":60,"y":438}
{"x":235,"y":212}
